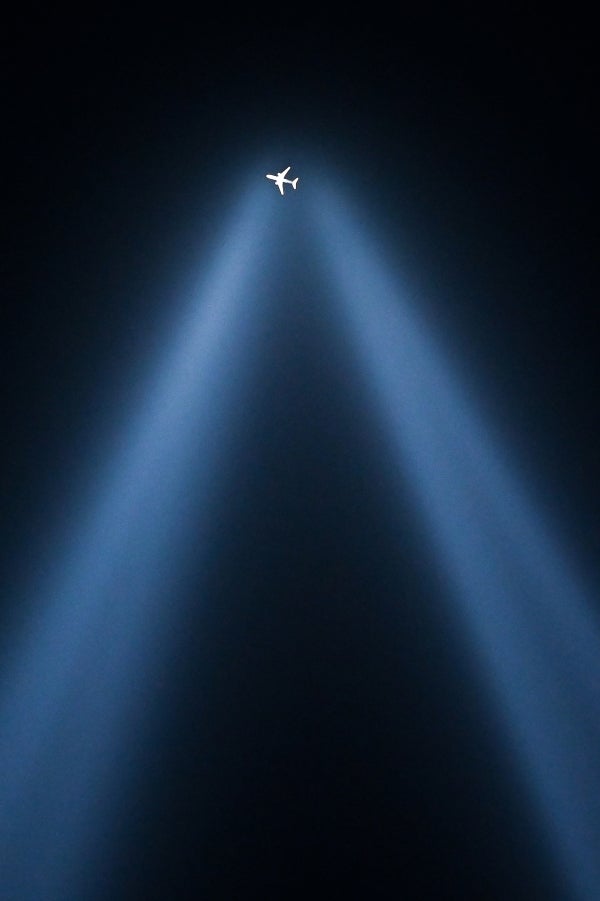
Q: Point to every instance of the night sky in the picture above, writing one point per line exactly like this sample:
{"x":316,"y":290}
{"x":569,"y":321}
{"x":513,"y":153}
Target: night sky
{"x":321,"y":732}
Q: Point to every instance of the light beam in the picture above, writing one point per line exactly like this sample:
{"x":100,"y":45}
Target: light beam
{"x":77,"y":673}
{"x":527,"y":615}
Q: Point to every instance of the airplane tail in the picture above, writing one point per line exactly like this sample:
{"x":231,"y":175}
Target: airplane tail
{"x":294,"y":183}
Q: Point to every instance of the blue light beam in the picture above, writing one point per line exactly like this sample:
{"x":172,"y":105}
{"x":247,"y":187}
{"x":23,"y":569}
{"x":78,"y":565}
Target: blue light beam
{"x":77,"y":674}
{"x":528,"y":615}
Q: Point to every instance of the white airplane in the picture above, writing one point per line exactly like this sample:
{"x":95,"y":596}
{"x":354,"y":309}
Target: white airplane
{"x":280,"y":179}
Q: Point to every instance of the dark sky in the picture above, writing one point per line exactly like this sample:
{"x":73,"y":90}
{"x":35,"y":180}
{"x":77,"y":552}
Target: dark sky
{"x":473,"y":140}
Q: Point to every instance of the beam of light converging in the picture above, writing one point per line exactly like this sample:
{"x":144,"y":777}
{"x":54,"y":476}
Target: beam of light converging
{"x":528,"y":614}
{"x":77,"y":677}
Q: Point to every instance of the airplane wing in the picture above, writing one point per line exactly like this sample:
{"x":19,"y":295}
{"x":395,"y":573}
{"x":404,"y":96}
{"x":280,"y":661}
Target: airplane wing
{"x":280,"y":186}
{"x":285,"y":171}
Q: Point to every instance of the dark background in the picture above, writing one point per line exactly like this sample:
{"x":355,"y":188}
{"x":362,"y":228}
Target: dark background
{"x":325,"y":759}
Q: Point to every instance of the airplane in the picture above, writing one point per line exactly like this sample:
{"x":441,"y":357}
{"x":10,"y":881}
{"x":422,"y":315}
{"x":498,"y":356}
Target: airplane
{"x":280,"y":179}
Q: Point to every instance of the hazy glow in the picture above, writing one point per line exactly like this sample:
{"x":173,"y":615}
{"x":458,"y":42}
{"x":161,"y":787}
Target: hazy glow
{"x":526,"y":614}
{"x":75,"y":682}
{"x":76,"y":687}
